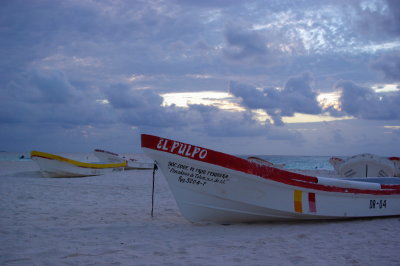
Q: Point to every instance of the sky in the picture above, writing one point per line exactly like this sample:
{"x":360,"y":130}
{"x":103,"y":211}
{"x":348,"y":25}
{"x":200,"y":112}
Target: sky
{"x":276,"y":77}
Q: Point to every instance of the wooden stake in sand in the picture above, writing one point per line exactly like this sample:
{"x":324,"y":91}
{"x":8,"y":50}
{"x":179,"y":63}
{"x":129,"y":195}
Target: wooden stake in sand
{"x":155,"y":168}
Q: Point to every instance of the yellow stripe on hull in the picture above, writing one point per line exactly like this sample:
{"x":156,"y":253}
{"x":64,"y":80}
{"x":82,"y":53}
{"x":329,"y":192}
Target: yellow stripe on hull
{"x":77,"y":163}
{"x":298,"y":203}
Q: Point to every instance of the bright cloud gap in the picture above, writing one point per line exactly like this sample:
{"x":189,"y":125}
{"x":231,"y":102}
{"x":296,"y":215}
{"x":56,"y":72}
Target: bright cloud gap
{"x":226,"y":101}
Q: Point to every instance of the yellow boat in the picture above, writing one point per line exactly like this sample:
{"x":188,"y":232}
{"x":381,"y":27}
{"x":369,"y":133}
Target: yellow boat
{"x":52,"y":165}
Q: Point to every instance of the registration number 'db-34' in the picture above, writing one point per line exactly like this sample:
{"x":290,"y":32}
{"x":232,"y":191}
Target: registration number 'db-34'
{"x":377,"y":204}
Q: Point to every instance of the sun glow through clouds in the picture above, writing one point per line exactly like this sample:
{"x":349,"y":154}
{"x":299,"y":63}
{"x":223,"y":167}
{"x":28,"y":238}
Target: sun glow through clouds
{"x":386,"y":87}
{"x":328,"y":99}
{"x":226,"y":101}
{"x":222,"y":100}
{"x":102,"y":101}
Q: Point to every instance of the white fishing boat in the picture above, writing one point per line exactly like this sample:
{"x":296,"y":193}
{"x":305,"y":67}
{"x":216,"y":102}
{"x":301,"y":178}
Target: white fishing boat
{"x":396,"y":163}
{"x":211,"y":186}
{"x":365,"y":165}
{"x":52,"y":165}
{"x":132,"y":163}
{"x":107,"y":156}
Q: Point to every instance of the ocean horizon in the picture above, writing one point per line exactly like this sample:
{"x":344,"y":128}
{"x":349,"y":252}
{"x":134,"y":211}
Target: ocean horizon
{"x":290,"y":161}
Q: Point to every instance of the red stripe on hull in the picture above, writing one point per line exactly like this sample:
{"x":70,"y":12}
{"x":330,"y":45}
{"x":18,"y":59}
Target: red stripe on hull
{"x":311,"y":202}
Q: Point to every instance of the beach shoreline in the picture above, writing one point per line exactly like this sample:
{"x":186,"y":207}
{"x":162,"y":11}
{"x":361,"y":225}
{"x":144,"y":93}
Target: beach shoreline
{"x":105,"y":220}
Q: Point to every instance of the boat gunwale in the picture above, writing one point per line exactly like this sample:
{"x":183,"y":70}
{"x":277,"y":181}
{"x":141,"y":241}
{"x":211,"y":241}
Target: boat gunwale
{"x":106,"y":152}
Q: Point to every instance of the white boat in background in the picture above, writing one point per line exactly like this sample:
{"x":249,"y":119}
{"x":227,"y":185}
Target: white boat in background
{"x":107,"y":156}
{"x":258,"y":160}
{"x":52,"y":165}
{"x":211,"y":186}
{"x":336,"y":162}
{"x":365,"y":165}
{"x":396,"y":162}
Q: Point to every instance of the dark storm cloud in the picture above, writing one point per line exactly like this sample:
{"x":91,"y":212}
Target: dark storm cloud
{"x":378,"y":19}
{"x":47,"y":96}
{"x":244,"y":44}
{"x":223,"y":123}
{"x":214,"y":122}
{"x":122,"y":96}
{"x":363,"y":102}
{"x":300,"y":96}
{"x":296,"y":96}
{"x":142,"y":107}
{"x":389,"y":65}
{"x":52,"y":87}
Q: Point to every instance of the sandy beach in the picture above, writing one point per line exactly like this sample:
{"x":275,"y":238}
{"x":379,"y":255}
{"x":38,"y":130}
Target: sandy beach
{"x":105,"y":220}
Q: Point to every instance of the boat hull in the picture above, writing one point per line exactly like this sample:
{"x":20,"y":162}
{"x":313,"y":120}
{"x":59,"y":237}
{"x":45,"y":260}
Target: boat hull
{"x":57,"y":166}
{"x":132,"y":164}
{"x":214,"y":187}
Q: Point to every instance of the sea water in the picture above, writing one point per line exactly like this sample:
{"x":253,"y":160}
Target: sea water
{"x":290,"y":162}
{"x":299,"y":162}
{"x":15,"y":156}
{"x":26,"y":156}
